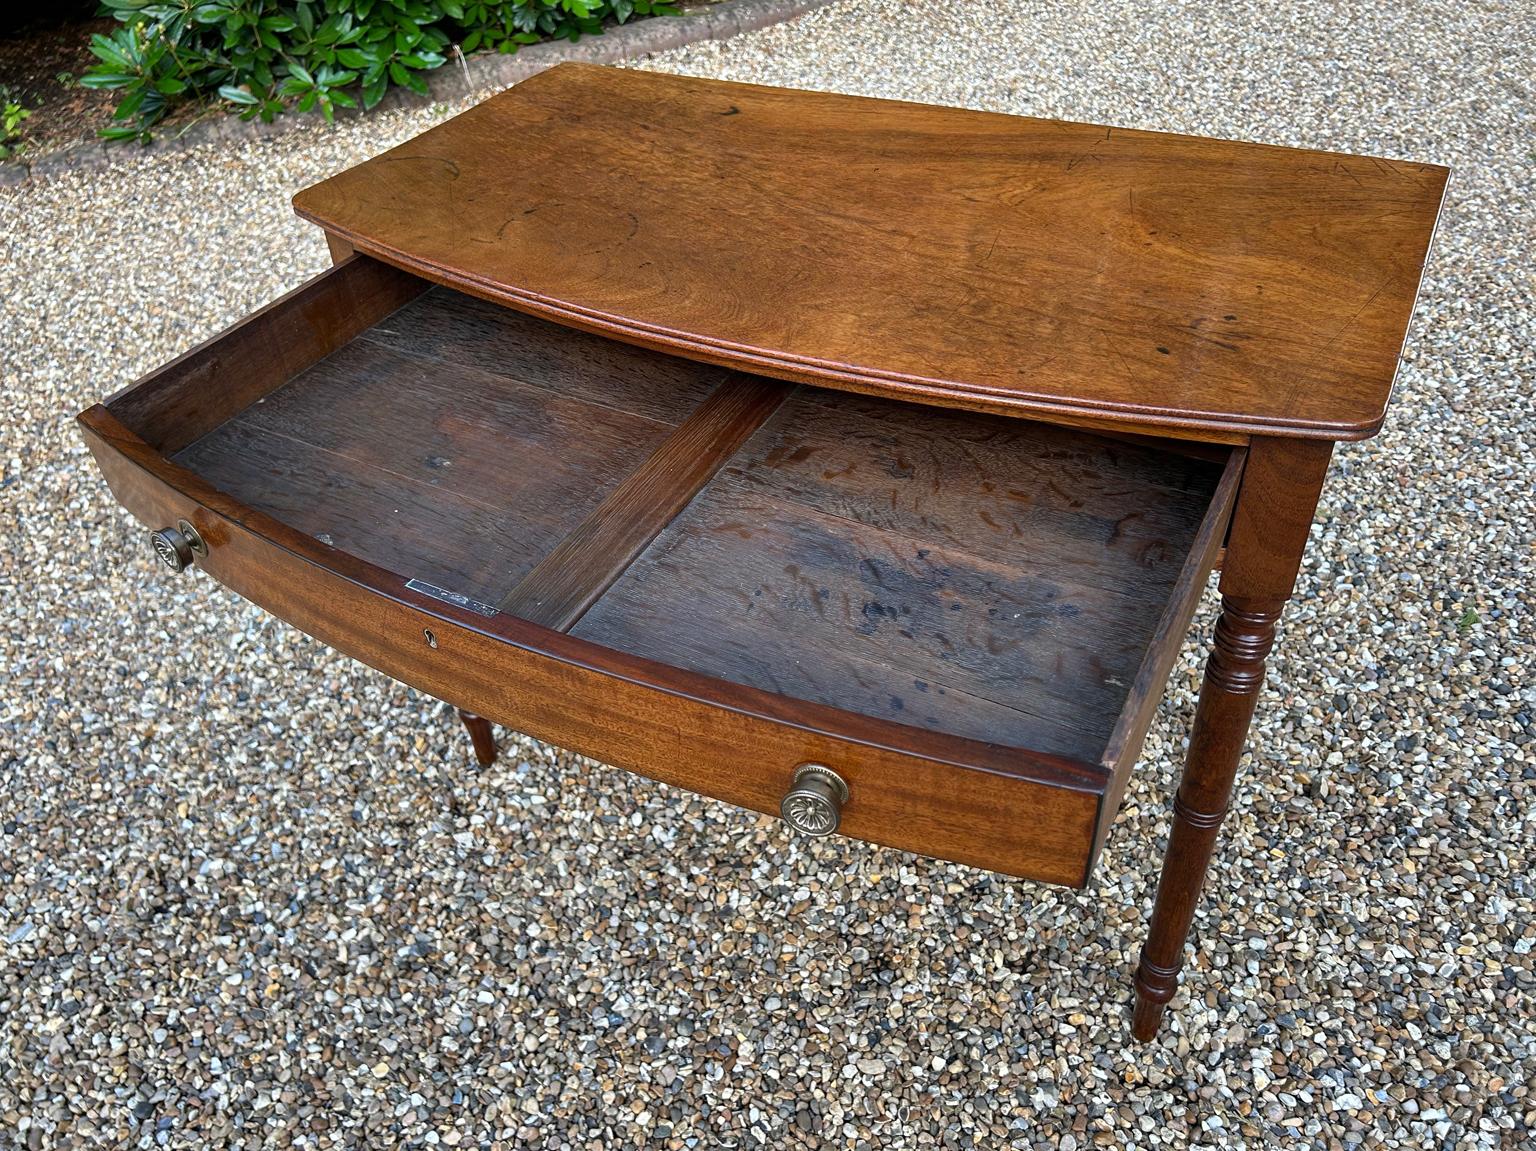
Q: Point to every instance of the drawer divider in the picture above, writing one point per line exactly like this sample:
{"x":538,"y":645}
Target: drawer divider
{"x":572,"y":577}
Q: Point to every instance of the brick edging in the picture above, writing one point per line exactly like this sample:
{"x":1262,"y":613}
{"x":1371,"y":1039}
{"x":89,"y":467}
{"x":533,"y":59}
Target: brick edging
{"x":487,"y":72}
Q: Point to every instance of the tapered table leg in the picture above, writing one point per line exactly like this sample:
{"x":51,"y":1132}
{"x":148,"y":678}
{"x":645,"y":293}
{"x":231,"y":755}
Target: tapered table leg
{"x":1233,"y":677}
{"x":481,"y":736}
{"x":1281,"y":483}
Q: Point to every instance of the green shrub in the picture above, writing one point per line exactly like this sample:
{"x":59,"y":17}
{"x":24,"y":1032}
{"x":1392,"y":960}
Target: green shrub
{"x":262,"y":56}
{"x":12,"y":113}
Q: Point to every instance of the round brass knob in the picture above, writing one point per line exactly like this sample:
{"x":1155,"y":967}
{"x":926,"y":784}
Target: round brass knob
{"x":813,"y":805}
{"x":176,"y":546}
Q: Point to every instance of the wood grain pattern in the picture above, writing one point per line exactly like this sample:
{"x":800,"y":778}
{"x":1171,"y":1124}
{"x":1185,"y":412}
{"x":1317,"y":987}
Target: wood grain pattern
{"x":967,"y":618}
{"x":1162,"y":651}
{"x":198,"y":391}
{"x":963,"y":258}
{"x":481,"y":737}
{"x":572,"y":577}
{"x":340,"y":251}
{"x":1282,"y":481}
{"x":969,"y":590}
{"x":430,"y":467}
{"x":1081,"y":507}
{"x":914,"y":789}
{"x":849,"y":557}
{"x":468,"y":333}
{"x":1271,"y":523}
{"x":817,"y":609}
{"x":406,"y":527}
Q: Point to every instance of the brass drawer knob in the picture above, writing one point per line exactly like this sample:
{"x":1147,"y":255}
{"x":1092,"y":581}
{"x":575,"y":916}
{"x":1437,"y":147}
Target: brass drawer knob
{"x":813,"y":805}
{"x":176,"y":546}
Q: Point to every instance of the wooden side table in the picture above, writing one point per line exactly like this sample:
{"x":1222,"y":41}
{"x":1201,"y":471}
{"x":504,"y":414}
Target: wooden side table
{"x":856,"y":461}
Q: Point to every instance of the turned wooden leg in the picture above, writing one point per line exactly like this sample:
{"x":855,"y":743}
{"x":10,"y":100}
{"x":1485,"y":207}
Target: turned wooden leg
{"x":1281,"y":482}
{"x":481,"y":736}
{"x":1233,"y":677}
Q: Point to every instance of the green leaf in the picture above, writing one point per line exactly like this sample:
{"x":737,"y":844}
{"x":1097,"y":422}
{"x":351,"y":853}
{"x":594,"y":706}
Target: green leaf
{"x":237,"y":95}
{"x":110,"y":52}
{"x":328,"y":32}
{"x":95,"y":79}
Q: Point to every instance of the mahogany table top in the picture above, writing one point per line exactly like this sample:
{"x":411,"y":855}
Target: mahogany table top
{"x":1164,"y":283}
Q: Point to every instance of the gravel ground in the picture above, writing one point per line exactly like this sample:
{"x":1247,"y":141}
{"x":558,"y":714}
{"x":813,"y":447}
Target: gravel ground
{"x":252,"y":894}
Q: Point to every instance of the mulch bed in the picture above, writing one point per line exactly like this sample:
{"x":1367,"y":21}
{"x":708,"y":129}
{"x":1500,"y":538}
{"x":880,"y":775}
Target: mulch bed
{"x":40,"y":66}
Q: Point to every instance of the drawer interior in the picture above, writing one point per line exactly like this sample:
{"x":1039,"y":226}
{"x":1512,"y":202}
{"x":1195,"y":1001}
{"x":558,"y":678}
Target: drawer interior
{"x":988,"y":577}
{"x":989,"y":580}
{"x":983,"y":576}
{"x":453,"y":441}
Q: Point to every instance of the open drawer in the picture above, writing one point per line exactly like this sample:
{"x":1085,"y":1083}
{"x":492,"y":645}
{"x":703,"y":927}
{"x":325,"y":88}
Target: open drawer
{"x":704,"y":576}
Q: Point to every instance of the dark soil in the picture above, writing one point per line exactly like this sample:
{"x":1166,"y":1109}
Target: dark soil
{"x":40,"y":66}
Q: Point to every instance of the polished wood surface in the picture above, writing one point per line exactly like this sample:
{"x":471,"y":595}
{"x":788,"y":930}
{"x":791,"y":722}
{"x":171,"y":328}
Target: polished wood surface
{"x":975,"y":575}
{"x":913,"y":789}
{"x":1078,"y":271}
{"x":957,"y":588}
{"x":1281,"y":484}
{"x":655,"y":550}
{"x":480,"y":736}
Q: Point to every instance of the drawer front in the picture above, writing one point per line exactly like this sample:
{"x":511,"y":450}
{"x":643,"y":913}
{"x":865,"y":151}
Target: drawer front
{"x":1003,"y":810}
